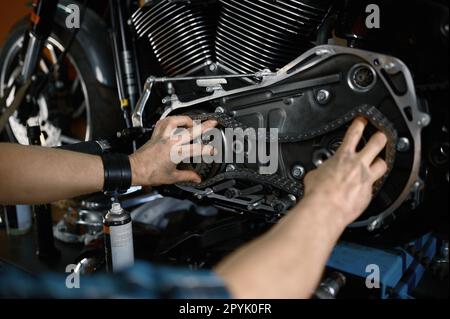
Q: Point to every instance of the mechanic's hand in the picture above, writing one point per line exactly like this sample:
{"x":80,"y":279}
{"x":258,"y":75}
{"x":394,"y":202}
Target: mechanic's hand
{"x":152,"y":164}
{"x":346,"y":180}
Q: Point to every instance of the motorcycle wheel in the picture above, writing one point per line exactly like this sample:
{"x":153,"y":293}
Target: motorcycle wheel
{"x":74,"y":107}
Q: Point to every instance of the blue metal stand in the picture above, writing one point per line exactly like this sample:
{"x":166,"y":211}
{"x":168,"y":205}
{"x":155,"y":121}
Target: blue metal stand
{"x":399,"y":271}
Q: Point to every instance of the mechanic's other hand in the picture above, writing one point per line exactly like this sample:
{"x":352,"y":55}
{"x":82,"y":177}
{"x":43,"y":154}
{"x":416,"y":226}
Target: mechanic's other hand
{"x":345,"y":181}
{"x":152,"y":164}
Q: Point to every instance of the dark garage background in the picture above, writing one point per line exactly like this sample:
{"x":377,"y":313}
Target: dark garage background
{"x":11,"y":11}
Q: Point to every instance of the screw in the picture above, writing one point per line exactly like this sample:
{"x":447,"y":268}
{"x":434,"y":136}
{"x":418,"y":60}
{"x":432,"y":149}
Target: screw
{"x":403,"y":145}
{"x":323,"y":96}
{"x":391,"y":68}
{"x":220,"y":110}
{"x":424,"y":120}
{"x":298,"y":171}
{"x":212,"y":67}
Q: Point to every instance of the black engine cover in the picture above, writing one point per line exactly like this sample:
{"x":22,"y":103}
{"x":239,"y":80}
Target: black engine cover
{"x":311,"y":101}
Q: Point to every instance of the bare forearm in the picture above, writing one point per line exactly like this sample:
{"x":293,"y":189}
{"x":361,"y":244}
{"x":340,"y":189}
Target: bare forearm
{"x":272,"y":267}
{"x":30,"y":175}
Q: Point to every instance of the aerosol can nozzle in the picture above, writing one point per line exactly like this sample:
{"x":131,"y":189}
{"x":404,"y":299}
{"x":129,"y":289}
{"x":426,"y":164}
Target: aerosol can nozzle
{"x":116,"y":208}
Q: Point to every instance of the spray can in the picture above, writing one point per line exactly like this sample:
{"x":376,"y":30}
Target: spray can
{"x":18,"y":219}
{"x":118,"y":234}
{"x":42,"y":213}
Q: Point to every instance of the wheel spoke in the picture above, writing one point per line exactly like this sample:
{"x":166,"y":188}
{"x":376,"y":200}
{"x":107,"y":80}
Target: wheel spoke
{"x":75,"y":85}
{"x":79,"y":111}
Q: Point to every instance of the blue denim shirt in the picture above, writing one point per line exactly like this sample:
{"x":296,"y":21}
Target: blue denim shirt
{"x":143,"y":280}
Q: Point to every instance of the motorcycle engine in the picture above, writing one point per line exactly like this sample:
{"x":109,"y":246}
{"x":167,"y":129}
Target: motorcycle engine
{"x":253,"y":64}
{"x":238,"y":37}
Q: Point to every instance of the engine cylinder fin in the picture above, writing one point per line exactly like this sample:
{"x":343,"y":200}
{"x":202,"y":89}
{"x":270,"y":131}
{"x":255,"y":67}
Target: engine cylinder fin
{"x":249,"y":54}
{"x":231,"y":64}
{"x":252,"y":48}
{"x":266,"y":34}
{"x":158,"y":12}
{"x":245,"y":61}
{"x":191,"y":36}
{"x":233,"y":20}
{"x":242,"y":36}
{"x":259,"y":14}
{"x":179,"y":34}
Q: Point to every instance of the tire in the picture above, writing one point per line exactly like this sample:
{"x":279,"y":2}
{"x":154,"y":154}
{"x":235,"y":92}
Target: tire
{"x":102,"y":112}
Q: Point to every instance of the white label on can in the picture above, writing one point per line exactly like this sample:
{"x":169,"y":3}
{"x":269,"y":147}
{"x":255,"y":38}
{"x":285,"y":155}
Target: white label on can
{"x":23,"y":217}
{"x":122,"y":250}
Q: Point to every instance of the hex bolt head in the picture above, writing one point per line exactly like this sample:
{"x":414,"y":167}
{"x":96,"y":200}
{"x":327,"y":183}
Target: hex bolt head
{"x":403,"y":145}
{"x":213,"y":67}
{"x":424,"y":120}
{"x":323,"y":96}
{"x":298,"y":172}
{"x":220,"y":110}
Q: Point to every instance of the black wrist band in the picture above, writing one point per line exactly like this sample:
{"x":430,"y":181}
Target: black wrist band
{"x":117,"y":169}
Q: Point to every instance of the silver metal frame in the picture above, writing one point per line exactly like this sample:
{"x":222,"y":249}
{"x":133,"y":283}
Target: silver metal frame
{"x":317,"y":55}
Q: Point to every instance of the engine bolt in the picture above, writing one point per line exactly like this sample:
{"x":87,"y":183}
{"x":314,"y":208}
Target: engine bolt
{"x":424,"y":120}
{"x":323,"y":96}
{"x":220,"y":110}
{"x":213,"y":67}
{"x":298,"y":172}
{"x":403,"y":145}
